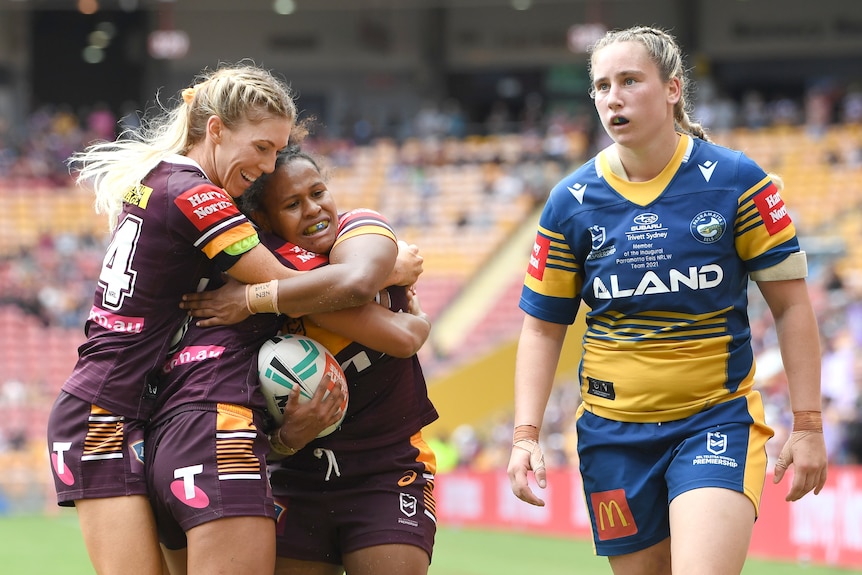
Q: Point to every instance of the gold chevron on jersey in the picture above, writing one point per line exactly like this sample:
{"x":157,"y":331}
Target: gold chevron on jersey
{"x":754,"y":234}
{"x":642,"y":193}
{"x":360,"y":222}
{"x":235,"y":436}
{"x":747,"y":214}
{"x":559,"y":252}
{"x":658,"y":325}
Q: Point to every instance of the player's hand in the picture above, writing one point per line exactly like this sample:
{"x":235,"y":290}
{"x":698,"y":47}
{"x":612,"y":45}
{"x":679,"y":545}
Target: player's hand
{"x":806,"y":451}
{"x":527,"y":456}
{"x":303,"y":421}
{"x":408,"y":266}
{"x":223,"y":306}
{"x":413,"y":305}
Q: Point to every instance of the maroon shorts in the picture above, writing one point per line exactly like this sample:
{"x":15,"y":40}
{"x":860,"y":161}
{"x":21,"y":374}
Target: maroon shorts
{"x":205,"y":464}
{"x":94,"y":453}
{"x":375,"y":497}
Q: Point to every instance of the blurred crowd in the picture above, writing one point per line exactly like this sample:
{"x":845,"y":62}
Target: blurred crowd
{"x":50,"y":279}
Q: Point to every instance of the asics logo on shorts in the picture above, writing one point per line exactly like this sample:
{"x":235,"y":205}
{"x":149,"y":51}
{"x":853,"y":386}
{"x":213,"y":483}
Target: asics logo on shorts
{"x":408,"y":478}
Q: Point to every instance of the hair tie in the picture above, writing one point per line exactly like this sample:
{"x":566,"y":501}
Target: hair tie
{"x":188,"y":95}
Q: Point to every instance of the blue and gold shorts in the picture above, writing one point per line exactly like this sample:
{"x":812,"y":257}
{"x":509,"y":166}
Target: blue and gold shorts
{"x":632,"y":471}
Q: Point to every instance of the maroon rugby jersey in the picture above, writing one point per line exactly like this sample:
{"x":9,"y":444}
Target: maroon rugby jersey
{"x":170,"y":230}
{"x":388,"y":398}
{"x":216,"y":365}
{"x":219,"y":364}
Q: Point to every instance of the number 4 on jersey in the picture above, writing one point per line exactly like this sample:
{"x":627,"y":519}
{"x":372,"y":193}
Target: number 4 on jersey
{"x":117,"y":277}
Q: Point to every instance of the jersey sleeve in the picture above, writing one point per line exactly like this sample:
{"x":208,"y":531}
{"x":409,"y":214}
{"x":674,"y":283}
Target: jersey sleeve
{"x":210,"y":219}
{"x":764,"y":232}
{"x":361,"y":222}
{"x":552,"y":284}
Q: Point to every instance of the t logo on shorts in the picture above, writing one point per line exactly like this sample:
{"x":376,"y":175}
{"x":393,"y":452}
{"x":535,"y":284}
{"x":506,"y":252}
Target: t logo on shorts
{"x":613,"y":517}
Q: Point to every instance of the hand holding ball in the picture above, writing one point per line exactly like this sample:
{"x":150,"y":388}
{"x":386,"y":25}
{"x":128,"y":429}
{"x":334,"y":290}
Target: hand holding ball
{"x":295,"y":363}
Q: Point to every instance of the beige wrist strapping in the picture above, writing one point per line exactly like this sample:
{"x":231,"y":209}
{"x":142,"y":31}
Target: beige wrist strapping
{"x":262,"y":298}
{"x":528,"y":432}
{"x":808,"y":421}
{"x":526,"y":437}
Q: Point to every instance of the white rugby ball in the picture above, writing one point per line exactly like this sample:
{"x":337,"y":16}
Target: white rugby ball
{"x":296,"y":363}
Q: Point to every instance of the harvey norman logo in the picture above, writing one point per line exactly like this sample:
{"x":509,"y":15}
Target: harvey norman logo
{"x":205,"y":206}
{"x":772,"y":210}
{"x":206,"y":203}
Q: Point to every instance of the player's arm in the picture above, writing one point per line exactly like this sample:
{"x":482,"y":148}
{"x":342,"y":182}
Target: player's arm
{"x":379,"y":328}
{"x":360,"y":267}
{"x":291,"y":292}
{"x":356,"y":272}
{"x":799,"y":343}
{"x":538,"y":354}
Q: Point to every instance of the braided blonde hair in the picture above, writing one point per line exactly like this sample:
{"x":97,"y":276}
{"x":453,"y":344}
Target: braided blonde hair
{"x":667,"y":56}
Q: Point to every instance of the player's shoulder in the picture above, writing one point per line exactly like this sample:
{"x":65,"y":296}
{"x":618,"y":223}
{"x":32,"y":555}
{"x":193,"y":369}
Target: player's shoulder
{"x":182,"y":180}
{"x":719,"y":164}
{"x":360,"y":214}
{"x":359,"y":218}
{"x":180,"y":169}
{"x":580,"y":190}
{"x":585,"y":174}
{"x":703,"y":149}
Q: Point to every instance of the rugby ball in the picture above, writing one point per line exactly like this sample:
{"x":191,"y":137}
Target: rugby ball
{"x":295,"y":363}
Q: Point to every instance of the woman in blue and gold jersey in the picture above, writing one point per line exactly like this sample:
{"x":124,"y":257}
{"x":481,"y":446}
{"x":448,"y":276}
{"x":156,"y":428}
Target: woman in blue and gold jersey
{"x":659,"y":235}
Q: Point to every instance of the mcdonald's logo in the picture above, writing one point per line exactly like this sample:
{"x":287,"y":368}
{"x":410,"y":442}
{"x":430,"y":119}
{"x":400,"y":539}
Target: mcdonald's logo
{"x":612,"y":516}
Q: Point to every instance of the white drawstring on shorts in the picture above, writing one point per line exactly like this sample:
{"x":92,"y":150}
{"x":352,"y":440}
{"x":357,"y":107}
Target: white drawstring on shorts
{"x":330,"y":458}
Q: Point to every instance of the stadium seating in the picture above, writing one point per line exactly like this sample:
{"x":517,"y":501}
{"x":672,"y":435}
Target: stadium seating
{"x":460,"y":200}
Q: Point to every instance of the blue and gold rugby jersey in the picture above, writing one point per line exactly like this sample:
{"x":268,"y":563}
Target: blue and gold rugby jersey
{"x":664,"y":268}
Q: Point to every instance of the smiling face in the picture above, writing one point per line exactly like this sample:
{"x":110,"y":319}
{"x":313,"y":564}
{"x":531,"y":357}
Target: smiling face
{"x":242,"y":154}
{"x":298,"y":207}
{"x":633,"y":102}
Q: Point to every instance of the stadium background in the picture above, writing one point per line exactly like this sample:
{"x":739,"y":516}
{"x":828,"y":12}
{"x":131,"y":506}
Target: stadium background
{"x":453,"y":118}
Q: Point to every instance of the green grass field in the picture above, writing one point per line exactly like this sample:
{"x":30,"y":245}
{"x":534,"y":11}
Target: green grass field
{"x":37,"y":545}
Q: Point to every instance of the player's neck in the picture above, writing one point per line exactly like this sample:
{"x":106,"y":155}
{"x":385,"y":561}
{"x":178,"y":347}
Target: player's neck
{"x":642,"y":164}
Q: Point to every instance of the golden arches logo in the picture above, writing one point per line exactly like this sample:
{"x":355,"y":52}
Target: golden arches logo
{"x":608,"y":509}
{"x":612,"y":516}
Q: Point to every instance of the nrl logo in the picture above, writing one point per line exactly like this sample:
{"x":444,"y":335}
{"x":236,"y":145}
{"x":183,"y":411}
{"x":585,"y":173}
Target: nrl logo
{"x":716,"y":442}
{"x":597,"y":235}
{"x":408,"y":504}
